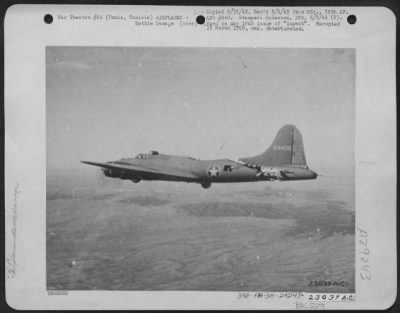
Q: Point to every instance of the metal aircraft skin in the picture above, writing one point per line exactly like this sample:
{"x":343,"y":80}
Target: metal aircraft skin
{"x":284,"y":160}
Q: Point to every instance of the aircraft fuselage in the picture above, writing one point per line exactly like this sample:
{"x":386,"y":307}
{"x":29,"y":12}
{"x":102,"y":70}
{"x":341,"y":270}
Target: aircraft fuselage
{"x":212,"y":171}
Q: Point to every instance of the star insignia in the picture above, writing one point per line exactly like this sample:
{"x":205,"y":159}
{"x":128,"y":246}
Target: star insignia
{"x":213,"y":171}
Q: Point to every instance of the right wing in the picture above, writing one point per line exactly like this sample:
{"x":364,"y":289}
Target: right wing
{"x":145,"y":171}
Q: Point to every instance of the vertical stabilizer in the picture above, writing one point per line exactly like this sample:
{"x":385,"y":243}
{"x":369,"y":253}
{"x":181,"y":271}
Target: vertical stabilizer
{"x":286,"y":149}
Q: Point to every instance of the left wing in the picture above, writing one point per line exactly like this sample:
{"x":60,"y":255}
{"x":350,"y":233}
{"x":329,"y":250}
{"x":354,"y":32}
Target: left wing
{"x":141,"y":170}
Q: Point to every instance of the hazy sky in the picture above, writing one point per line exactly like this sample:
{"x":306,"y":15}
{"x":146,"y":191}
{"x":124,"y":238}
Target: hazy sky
{"x":108,"y":103}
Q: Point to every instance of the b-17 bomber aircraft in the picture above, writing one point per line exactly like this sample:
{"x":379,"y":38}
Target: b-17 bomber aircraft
{"x":284,"y":160}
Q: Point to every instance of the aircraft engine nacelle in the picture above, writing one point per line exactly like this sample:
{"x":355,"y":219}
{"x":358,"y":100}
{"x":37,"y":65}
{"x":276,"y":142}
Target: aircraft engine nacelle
{"x":109,"y":172}
{"x":270,"y":172}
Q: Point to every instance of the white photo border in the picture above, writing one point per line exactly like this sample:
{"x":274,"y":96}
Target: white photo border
{"x":26,"y":38}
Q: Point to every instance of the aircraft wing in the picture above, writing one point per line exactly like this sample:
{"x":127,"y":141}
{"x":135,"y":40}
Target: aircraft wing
{"x":140,"y":170}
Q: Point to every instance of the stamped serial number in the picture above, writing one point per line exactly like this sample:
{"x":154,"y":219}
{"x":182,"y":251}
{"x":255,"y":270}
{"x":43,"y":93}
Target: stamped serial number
{"x":327,"y":283}
{"x":330,"y":297}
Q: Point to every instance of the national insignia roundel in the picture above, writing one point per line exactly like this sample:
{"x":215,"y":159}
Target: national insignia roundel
{"x":214,"y":171}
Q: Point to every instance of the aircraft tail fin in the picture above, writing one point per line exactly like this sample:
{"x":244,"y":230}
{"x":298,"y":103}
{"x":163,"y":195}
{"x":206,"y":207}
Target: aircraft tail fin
{"x":286,"y":149}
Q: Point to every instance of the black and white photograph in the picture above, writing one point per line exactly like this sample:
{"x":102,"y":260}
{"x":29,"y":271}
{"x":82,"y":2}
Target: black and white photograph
{"x":200,"y":157}
{"x":216,"y":169}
